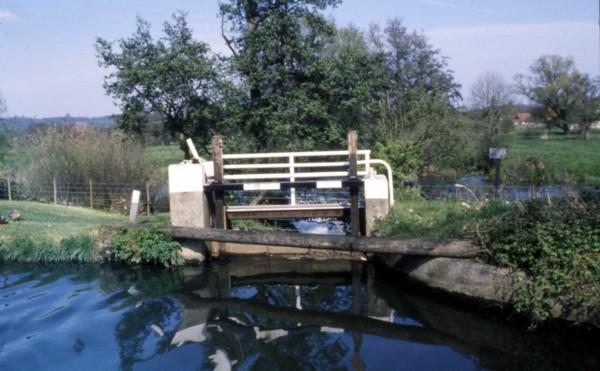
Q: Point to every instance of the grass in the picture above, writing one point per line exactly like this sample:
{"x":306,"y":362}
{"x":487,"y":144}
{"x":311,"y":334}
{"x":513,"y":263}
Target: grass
{"x":432,"y":219}
{"x":163,"y":156}
{"x":51,"y":232}
{"x":566,"y":158}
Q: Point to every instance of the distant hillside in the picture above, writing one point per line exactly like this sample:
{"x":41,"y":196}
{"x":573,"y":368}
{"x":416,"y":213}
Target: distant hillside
{"x":21,"y":124}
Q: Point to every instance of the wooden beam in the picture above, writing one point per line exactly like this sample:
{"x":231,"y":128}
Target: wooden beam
{"x":219,"y":195}
{"x":382,"y":245}
{"x":353,"y":173}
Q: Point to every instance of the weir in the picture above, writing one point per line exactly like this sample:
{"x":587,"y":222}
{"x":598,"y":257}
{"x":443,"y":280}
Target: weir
{"x":203,"y":194}
{"x":199,"y":189}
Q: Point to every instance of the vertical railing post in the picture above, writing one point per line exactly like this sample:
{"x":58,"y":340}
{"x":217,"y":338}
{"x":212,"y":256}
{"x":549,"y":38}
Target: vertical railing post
{"x":219,"y":195}
{"x":292,"y":179}
{"x":91,"y":194}
{"x":353,"y":175}
{"x":54,"y":190}
{"x":9,"y":189}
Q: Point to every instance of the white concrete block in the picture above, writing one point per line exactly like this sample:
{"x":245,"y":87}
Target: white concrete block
{"x":186,"y":178}
{"x":376,"y":187}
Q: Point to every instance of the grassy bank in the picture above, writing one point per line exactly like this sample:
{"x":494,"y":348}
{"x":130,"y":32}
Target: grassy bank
{"x":52,"y":232}
{"x":564,"y":158}
{"x":556,"y":243}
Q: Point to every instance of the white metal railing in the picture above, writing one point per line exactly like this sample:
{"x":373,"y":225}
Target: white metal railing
{"x":301,"y":170}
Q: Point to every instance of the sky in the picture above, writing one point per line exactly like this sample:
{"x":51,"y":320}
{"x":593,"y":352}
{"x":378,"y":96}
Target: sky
{"x":48,"y":65}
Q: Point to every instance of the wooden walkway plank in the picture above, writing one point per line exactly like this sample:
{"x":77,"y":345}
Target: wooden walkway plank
{"x":382,"y":245}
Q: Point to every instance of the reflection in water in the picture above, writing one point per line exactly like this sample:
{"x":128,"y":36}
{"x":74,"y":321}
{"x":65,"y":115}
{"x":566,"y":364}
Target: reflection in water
{"x":254,"y":314}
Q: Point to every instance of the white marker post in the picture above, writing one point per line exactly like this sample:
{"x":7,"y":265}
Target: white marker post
{"x":135,"y":203}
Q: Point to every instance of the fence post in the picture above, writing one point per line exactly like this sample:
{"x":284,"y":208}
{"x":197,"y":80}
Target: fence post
{"x":292,"y":179}
{"x":54,"y":191}
{"x":148,"y":198}
{"x":353,"y":174}
{"x":91,"y":194}
{"x":9,"y":190}
{"x":217,"y":149}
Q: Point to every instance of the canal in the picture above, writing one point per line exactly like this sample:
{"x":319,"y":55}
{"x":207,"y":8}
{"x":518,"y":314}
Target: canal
{"x":259,"y":314}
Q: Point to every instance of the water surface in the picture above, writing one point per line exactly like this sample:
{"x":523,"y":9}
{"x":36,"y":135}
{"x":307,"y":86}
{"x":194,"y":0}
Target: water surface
{"x":256,"y":314}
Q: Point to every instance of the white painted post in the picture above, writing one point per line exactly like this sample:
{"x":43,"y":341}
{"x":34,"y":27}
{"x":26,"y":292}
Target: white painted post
{"x":135,"y":203}
{"x":292,"y":179}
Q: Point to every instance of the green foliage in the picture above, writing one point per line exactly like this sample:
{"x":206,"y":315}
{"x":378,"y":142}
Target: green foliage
{"x":557,"y":244}
{"x":434,"y":219}
{"x":277,"y":51}
{"x":173,"y":77}
{"x":146,"y":246}
{"x":403,"y":156}
{"x":78,"y":249}
{"x":564,"y":94}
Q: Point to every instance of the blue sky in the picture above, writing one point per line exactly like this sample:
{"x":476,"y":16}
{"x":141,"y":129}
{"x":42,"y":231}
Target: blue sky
{"x":48,"y":65}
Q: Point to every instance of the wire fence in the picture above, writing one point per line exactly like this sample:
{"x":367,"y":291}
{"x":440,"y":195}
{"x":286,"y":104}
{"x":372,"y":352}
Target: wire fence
{"x":507,"y":193}
{"x":115,"y":197}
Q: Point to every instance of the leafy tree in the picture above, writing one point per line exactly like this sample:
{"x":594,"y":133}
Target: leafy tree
{"x":2,"y":105}
{"x":174,"y":77}
{"x":418,"y":99}
{"x":491,"y":96}
{"x":586,"y":107}
{"x":277,"y":48}
{"x":354,"y":83}
{"x":552,"y":85}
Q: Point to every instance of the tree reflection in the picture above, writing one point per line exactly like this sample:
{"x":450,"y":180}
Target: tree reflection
{"x":138,"y":333}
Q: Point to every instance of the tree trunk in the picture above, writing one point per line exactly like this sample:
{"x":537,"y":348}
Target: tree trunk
{"x":586,"y":130}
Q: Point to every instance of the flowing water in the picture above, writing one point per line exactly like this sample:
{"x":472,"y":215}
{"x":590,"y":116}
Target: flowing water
{"x":256,"y":314}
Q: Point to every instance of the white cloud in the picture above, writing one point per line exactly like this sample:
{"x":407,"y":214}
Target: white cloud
{"x":510,"y":49}
{"x":5,"y":14}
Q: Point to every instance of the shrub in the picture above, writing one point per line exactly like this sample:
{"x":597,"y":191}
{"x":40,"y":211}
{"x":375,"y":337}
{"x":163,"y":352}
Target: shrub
{"x":146,"y":246}
{"x":557,"y":244}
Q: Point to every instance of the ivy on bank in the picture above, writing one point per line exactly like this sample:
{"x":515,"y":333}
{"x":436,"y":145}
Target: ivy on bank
{"x":146,"y":246}
{"x":557,"y":244}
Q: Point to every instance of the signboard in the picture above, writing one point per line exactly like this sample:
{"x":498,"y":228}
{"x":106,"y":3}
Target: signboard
{"x":497,"y":153}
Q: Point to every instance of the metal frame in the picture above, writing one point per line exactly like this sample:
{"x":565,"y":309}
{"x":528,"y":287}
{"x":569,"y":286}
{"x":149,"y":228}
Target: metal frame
{"x":293,"y":166}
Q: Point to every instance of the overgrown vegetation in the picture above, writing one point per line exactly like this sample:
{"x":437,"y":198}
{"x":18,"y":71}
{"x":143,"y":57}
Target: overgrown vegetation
{"x":557,"y":244}
{"x":146,"y":246}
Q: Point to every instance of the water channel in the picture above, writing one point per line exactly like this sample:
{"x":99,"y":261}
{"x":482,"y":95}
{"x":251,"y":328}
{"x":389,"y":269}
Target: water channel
{"x":258,"y":314}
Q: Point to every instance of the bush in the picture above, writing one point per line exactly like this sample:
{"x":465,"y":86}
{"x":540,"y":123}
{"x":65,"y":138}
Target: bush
{"x":74,"y":155}
{"x":146,"y":246}
{"x":557,"y":244}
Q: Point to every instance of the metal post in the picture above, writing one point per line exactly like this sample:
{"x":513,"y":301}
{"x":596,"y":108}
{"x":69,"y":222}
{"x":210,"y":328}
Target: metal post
{"x":497,"y":178}
{"x":219,"y":195}
{"x":148,"y":198}
{"x":54,"y":191}
{"x":91,"y":194}
{"x":292,"y":179}
{"x":9,"y":190}
{"x":352,"y":173}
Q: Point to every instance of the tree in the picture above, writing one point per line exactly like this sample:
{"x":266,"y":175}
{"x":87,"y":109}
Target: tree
{"x":586,"y":107}
{"x":277,"y":51}
{"x":491,"y":96}
{"x":173,"y":77}
{"x":552,"y":85}
{"x":417,"y":104}
{"x":2,"y":104}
